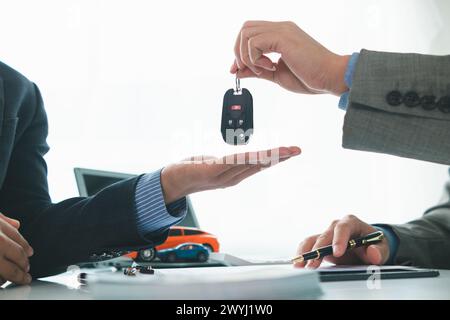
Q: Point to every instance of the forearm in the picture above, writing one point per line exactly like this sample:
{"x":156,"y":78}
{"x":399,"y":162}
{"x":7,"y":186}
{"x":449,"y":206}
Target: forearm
{"x":71,"y":231}
{"x":425,"y":242}
{"x":154,"y":212}
{"x":399,"y":104}
{"x":127,"y":215}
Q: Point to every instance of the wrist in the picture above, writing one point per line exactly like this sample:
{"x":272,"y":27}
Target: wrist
{"x":169,"y":185}
{"x":338,"y":66}
{"x":174,"y":183}
{"x":391,"y":241}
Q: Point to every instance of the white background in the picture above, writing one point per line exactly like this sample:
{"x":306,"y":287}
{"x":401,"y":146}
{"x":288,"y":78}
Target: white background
{"x":130,"y":86}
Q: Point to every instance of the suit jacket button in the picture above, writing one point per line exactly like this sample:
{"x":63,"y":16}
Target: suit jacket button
{"x":411,"y":99}
{"x":444,"y":104}
{"x":394,"y":98}
{"x":428,"y":102}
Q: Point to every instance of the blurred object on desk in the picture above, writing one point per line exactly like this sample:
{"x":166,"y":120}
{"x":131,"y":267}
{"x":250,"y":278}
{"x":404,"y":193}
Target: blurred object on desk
{"x":246,"y":282}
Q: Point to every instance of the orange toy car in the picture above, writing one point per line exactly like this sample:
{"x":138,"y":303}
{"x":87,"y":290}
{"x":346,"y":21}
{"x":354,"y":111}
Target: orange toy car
{"x":178,"y":235}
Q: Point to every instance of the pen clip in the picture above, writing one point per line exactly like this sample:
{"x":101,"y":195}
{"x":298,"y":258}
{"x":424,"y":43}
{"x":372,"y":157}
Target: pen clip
{"x":375,"y":238}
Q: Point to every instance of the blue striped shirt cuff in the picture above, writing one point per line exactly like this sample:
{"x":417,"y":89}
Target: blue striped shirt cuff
{"x":152,"y":214}
{"x":348,"y":78}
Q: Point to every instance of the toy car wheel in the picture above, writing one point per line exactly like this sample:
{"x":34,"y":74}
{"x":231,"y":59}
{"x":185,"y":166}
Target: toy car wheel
{"x":147,"y":254}
{"x":202,"y":257}
{"x":208,"y":247}
{"x":171,"y":257}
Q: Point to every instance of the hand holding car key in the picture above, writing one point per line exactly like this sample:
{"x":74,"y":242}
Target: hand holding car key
{"x":237,"y":115}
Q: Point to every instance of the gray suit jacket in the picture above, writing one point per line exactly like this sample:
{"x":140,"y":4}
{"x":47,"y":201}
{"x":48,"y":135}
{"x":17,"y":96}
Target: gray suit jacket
{"x":399,"y":104}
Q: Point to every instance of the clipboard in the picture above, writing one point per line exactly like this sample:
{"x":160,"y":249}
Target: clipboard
{"x":349,"y":273}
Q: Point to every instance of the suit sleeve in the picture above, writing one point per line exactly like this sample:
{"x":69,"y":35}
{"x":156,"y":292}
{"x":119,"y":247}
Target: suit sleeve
{"x":68,"y":232}
{"x":399,"y":104}
{"x":425,"y":242}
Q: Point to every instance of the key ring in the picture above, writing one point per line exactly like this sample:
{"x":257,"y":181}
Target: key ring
{"x":238,"y":85}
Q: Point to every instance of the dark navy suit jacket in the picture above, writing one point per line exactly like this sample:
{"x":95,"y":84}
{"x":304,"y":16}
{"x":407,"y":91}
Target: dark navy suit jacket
{"x":64,"y":233}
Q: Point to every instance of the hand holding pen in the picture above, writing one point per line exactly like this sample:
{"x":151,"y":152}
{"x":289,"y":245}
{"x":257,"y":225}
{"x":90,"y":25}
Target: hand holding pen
{"x":337,"y":237}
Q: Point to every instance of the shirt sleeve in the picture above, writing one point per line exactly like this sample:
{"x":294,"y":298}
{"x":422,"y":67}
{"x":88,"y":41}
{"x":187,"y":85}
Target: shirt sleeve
{"x":392,"y":239}
{"x":152,"y":214}
{"x":348,"y":77}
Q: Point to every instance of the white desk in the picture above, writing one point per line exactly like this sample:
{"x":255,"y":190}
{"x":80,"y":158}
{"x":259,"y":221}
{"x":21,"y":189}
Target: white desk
{"x":437,"y":288}
{"x":66,"y":287}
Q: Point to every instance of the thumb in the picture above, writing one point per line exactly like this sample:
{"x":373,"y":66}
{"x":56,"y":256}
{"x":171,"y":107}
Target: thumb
{"x":266,"y":63}
{"x":257,"y":46}
{"x":376,"y":254}
{"x":13,"y":222}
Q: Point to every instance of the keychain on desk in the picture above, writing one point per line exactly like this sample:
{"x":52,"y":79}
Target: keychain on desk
{"x":237,"y":115}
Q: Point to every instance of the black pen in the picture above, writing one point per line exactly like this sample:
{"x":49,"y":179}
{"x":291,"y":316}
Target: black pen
{"x":371,"y":238}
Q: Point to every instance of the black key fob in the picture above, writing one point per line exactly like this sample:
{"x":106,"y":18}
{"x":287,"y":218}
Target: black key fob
{"x":237,"y":116}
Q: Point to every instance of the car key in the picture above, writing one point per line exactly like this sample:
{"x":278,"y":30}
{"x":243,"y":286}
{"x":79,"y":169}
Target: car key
{"x":237,"y":115}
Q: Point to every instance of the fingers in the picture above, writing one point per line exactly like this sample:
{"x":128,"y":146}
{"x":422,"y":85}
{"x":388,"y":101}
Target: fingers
{"x":322,"y":240}
{"x":11,"y":272}
{"x":243,"y":173}
{"x":199,"y":159}
{"x":15,"y":253}
{"x":237,"y":167}
{"x":242,"y":161}
{"x":15,"y":236}
{"x":274,"y":156}
{"x":264,"y":42}
{"x":346,"y":228}
{"x":371,"y":255}
{"x":351,"y":227}
{"x":227,"y":176}
{"x":251,"y":56}
{"x":282,"y":76}
{"x":15,"y":223}
{"x":240,"y":164}
{"x":305,"y":246}
{"x":338,"y":234}
{"x":247,"y":73}
{"x":376,"y":254}
{"x":309,"y":67}
{"x":237,"y":46}
{"x":265,"y":157}
{"x":246,"y":55}
{"x":237,"y":54}
{"x":267,"y":72}
{"x":237,"y":178}
{"x":294,"y":150}
{"x":178,"y":180}
{"x":234,"y":67}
